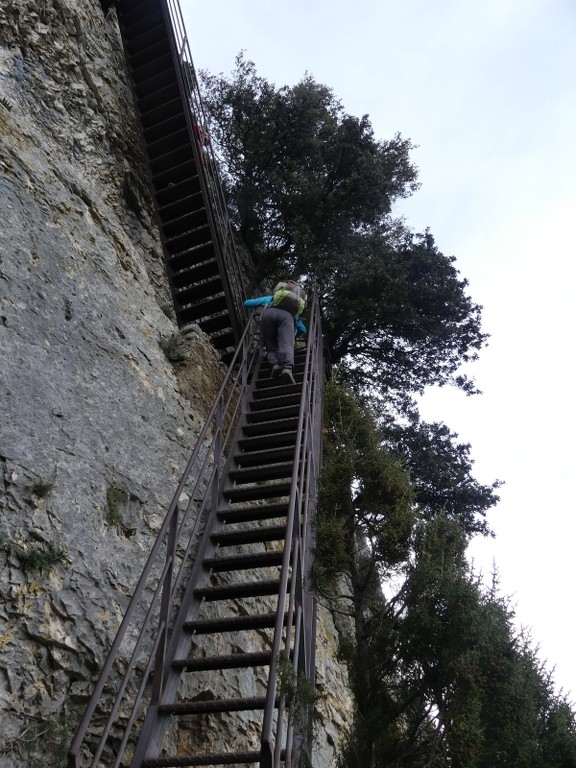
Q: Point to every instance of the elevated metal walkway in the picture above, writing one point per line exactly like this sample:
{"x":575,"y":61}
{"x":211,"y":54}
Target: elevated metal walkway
{"x":200,"y":256}
{"x":225,"y":589}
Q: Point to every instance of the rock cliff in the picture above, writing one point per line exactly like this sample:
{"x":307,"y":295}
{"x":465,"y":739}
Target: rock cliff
{"x":96,"y":422}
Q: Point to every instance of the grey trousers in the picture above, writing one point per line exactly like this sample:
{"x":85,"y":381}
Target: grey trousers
{"x":277,"y":329}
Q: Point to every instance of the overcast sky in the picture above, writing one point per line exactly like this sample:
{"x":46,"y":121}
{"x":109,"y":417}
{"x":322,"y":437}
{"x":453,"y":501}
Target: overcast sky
{"x":487,"y":93}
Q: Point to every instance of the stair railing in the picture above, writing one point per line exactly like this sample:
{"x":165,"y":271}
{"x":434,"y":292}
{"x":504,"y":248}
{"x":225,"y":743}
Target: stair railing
{"x":298,"y":604}
{"x":139,"y":646}
{"x":226,"y":253}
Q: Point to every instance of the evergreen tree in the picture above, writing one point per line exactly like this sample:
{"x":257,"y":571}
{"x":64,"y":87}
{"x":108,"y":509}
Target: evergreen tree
{"x":311,"y":191}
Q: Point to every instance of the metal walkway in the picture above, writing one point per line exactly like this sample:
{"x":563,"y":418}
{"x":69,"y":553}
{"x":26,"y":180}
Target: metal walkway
{"x":225,"y":589}
{"x":199,"y":252}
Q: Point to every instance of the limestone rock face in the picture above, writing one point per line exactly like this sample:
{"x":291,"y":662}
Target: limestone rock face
{"x":96,"y":422}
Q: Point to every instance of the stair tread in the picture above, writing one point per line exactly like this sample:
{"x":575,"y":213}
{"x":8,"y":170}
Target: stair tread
{"x":250,"y":536}
{"x":243,"y":589}
{"x":229,"y":661}
{"x":241,"y":562}
{"x":251,"y":493}
{"x":248,"y":458}
{"x":258,"y":512}
{"x":273,"y":414}
{"x":261,"y":393}
{"x":275,"y":440}
{"x":277,"y":401}
{"x":231,"y":623}
{"x":213,"y":705}
{"x":206,"y":758}
{"x":262,"y":472}
{"x":271,"y":428}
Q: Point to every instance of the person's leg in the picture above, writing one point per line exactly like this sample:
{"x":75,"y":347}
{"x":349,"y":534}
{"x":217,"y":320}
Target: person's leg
{"x":285,"y":337}
{"x":269,"y":335}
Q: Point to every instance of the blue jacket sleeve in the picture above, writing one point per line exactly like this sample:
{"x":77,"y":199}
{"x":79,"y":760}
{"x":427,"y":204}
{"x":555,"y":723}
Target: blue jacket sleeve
{"x":300,"y":328}
{"x":259,"y":301}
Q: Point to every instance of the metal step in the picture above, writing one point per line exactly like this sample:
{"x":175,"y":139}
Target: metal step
{"x":215,"y":323}
{"x":239,"y":591}
{"x":159,"y":132}
{"x":231,"y":624}
{"x":208,"y":758}
{"x":159,"y":114}
{"x":158,"y":82}
{"x":249,"y":536}
{"x":281,"y":388}
{"x":224,"y":343}
{"x":248,"y":514}
{"x":261,"y":473}
{"x":213,"y":705}
{"x":194,"y":274}
{"x":200,"y":290}
{"x":170,"y":140}
{"x":267,"y":443}
{"x":150,"y":67}
{"x":256,"y":458}
{"x":150,"y":53}
{"x":174,"y":158}
{"x":137,"y":9}
{"x":236,"y":495}
{"x":274,"y":414}
{"x":142,"y":31}
{"x":189,"y":238}
{"x":266,"y":380}
{"x":281,"y":426}
{"x":276,"y":400}
{"x":178,"y":259}
{"x":201,"y":309}
{"x":244,"y":562}
{"x":175,"y":175}
{"x":189,"y":214}
{"x":234,"y":661}
{"x":179,"y":191}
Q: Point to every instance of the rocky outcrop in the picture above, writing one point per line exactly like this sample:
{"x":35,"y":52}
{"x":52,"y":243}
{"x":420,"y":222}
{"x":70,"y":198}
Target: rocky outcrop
{"x":98,"y":418}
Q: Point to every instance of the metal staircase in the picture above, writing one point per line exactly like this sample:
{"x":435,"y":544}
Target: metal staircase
{"x":199,"y":252}
{"x":225,"y":589}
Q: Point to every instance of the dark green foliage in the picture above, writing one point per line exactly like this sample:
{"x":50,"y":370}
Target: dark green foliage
{"x":311,"y":190}
{"x":36,"y":557}
{"x":397,"y":317}
{"x":364,"y":492}
{"x":301,"y":174}
{"x":116,"y":499}
{"x":42,"y":487}
{"x":441,"y":474}
{"x":440,"y":676}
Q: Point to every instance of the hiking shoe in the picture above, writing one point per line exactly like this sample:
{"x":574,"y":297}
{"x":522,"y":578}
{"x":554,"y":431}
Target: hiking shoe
{"x":275,"y":371}
{"x":287,"y":376}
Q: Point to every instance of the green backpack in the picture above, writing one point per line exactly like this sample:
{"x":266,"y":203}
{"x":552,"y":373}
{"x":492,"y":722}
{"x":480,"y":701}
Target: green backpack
{"x":289,"y":296}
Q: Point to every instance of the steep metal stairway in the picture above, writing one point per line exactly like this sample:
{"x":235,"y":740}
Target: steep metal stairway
{"x":199,"y":251}
{"x":226,"y":587}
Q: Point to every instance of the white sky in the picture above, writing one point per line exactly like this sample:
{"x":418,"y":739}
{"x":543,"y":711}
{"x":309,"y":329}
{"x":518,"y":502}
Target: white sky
{"x":487,"y":93}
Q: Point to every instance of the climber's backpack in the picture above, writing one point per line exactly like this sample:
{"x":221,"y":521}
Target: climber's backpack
{"x":289,"y":296}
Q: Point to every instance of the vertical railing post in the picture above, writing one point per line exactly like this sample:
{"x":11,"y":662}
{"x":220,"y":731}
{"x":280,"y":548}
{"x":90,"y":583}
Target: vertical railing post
{"x":166,"y":602}
{"x":217,"y":451}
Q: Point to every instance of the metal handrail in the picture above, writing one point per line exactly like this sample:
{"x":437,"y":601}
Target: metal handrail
{"x":297,"y":559}
{"x":154,"y":597}
{"x":220,"y":224}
